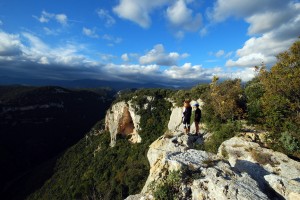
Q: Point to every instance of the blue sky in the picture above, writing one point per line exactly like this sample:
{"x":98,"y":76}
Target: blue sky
{"x":162,"y":41}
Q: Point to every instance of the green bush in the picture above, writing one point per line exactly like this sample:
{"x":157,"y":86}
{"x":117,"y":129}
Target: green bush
{"x":169,"y":188}
{"x":221,"y":132}
{"x":289,"y":143}
{"x":254,"y":91}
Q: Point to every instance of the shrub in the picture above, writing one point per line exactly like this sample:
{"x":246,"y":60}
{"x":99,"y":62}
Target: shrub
{"x":289,"y":143}
{"x":221,"y":133}
{"x":169,"y":188}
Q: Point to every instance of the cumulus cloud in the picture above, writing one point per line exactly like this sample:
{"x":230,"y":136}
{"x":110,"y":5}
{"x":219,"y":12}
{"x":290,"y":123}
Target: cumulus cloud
{"x":104,"y":15}
{"x":157,"y":55}
{"x":89,"y":32}
{"x":226,"y":8}
{"x":125,"y":57}
{"x":46,"y":17}
{"x":186,"y":73}
{"x":275,"y":24}
{"x":10,"y":45}
{"x":180,"y":16}
{"x":61,"y":18}
{"x":138,"y":11}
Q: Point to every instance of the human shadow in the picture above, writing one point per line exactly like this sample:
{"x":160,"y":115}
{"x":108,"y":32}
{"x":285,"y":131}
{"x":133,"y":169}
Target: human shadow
{"x":257,"y":172}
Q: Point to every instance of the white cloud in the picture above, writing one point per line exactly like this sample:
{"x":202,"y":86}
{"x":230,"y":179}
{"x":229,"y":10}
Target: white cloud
{"x":225,"y":8}
{"x":37,"y":46}
{"x":187,"y":71}
{"x":62,"y":19}
{"x":138,"y":11}
{"x":46,"y":17}
{"x":275,"y":24}
{"x":39,"y":52}
{"x":125,"y":57}
{"x":10,"y":44}
{"x":220,"y":53}
{"x":111,"y":39}
{"x":245,"y":74}
{"x":89,"y":32}
{"x":250,"y":60}
{"x":1,"y":23}
{"x":132,"y":70}
{"x":44,"y":60}
{"x":107,"y":57}
{"x":158,"y":56}
{"x":180,"y":16}
{"x":104,"y":15}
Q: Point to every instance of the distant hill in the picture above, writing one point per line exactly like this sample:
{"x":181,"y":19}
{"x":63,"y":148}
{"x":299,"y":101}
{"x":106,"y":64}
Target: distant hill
{"x":39,"y":123}
{"x":86,"y":83}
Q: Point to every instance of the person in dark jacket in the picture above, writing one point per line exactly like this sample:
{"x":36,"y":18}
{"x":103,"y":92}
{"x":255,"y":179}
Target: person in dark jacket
{"x":187,"y":113}
{"x":197,"y":118}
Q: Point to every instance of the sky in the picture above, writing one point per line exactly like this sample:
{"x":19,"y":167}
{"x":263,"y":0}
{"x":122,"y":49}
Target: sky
{"x":157,"y":41}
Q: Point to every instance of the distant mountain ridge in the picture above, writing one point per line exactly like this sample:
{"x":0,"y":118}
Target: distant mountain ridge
{"x":90,"y":83}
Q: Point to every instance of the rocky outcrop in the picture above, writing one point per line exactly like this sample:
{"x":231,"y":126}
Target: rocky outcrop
{"x":242,"y":169}
{"x":122,"y":119}
{"x":269,"y":168}
{"x":215,"y":178}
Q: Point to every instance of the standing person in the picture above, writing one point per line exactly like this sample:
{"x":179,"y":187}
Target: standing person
{"x":187,"y":112}
{"x":197,"y":118}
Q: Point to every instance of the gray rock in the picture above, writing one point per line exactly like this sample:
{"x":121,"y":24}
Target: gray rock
{"x":267,"y":167}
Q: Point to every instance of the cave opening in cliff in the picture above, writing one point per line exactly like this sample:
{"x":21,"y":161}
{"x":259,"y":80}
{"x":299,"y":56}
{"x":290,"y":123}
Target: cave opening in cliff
{"x":126,"y":125}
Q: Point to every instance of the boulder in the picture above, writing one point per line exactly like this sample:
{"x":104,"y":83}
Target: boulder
{"x":269,"y":168}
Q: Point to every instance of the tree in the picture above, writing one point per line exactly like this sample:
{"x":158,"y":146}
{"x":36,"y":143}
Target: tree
{"x":226,"y":99}
{"x":254,"y":91}
{"x":280,"y":101}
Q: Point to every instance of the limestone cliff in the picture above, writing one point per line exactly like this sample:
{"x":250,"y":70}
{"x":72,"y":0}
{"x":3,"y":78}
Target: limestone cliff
{"x":122,"y":119}
{"x":242,"y":169}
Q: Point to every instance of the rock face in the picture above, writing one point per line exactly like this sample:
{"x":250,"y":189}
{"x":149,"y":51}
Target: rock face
{"x":269,"y":168}
{"x":215,"y":178}
{"x":122,"y":119}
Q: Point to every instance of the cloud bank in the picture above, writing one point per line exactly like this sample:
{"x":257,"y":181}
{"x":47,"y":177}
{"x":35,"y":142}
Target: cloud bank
{"x":26,"y":55}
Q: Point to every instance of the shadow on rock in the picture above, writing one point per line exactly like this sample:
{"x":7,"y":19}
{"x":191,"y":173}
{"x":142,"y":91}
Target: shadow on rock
{"x":257,"y":173}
